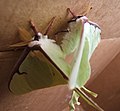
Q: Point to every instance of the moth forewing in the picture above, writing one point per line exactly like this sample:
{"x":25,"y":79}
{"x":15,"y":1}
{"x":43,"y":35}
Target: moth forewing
{"x":90,"y":35}
{"x":71,"y":39}
{"x":94,"y":40}
{"x":77,"y":62}
{"x":56,"y":56}
{"x":40,"y":73}
{"x":88,"y":40}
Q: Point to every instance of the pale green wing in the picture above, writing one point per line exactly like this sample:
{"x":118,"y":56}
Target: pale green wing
{"x":79,"y":55}
{"x":93,"y":36}
{"x":90,"y":40}
{"x":56,"y":55}
{"x":72,"y":38}
{"x":81,"y":67}
{"x":40,"y":72}
{"x":39,"y":75}
{"x":69,"y":46}
{"x":59,"y":54}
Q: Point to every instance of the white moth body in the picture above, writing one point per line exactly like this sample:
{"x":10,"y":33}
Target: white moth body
{"x":42,"y":41}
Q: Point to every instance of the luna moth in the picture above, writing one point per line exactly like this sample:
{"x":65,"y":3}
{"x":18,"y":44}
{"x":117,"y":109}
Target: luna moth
{"x":48,"y":64}
{"x":32,"y":70}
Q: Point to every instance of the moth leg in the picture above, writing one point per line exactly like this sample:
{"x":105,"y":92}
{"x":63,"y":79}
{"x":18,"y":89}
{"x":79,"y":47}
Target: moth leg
{"x":55,"y":37}
{"x":48,"y":28}
{"x":69,"y":11}
{"x":74,"y":17}
{"x":66,"y":30}
{"x":35,"y":30}
{"x":10,"y":49}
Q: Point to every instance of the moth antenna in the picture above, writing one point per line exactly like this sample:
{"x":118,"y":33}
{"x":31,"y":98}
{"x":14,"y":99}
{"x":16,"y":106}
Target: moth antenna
{"x":33,"y":27}
{"x":69,"y":11}
{"x":37,"y":36}
{"x":49,"y":26}
{"x":84,"y":14}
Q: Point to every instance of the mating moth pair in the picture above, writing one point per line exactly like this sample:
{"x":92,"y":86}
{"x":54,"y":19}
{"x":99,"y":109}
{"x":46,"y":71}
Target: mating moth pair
{"x":43,"y":63}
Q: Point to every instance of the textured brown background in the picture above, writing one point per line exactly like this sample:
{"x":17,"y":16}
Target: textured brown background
{"x":105,"y":62}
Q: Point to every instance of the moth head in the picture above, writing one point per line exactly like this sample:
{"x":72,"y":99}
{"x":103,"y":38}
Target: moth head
{"x":78,"y":18}
{"x":38,"y":36}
